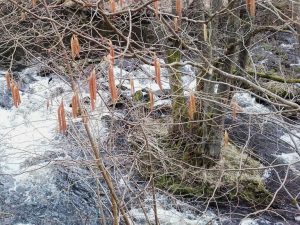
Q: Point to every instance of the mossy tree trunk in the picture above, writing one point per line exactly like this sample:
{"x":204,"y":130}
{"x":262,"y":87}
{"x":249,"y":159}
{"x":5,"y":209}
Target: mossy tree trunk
{"x":243,"y":56}
{"x":202,"y":138}
{"x":179,"y":107}
{"x":213,"y":114}
{"x":208,"y":133}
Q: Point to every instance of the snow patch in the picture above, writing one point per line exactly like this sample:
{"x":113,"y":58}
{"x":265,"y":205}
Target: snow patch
{"x":289,"y":157}
{"x":248,"y":222}
{"x":292,"y":139}
{"x":267,"y":173}
{"x":248,"y":103}
{"x":145,"y":78}
{"x":287,"y":46}
{"x":171,"y":215}
{"x":295,"y":64}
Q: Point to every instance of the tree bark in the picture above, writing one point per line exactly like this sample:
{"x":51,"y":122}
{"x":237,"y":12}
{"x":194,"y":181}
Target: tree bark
{"x":212,"y":113}
{"x":179,"y":108}
{"x":297,"y":18}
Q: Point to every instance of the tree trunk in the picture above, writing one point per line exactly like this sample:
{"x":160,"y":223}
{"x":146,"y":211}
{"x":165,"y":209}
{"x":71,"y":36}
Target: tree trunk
{"x":297,"y":18}
{"x":212,"y":113}
{"x":179,"y":108}
{"x":243,"y":57}
{"x":201,"y":139}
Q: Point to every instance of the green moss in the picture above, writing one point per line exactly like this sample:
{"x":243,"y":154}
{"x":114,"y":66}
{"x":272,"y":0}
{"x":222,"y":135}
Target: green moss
{"x":186,"y":156}
{"x":272,"y":71}
{"x":294,"y":202}
{"x":174,"y":169}
{"x":138,"y":96}
{"x":179,"y":108}
{"x":267,"y":47}
{"x":173,"y":55}
{"x":234,"y":184}
{"x":175,"y":186}
{"x":284,"y":90}
{"x":284,"y":56}
{"x":297,"y":69}
{"x":255,"y":192}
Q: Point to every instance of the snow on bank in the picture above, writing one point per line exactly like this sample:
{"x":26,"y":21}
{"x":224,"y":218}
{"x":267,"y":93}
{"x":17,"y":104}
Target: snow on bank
{"x":143,"y":78}
{"x":260,"y":221}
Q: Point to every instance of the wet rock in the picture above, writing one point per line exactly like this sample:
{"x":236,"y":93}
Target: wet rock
{"x":44,"y":72}
{"x":247,"y":131}
{"x":161,"y":110}
{"x":5,"y":99}
{"x":121,"y":87}
{"x":263,"y":138}
{"x":279,"y":54}
{"x":27,"y":78}
{"x":57,"y":92}
{"x":141,"y":95}
{"x":165,"y":93}
{"x":47,"y":157}
{"x":128,"y":65}
{"x":55,"y":195}
{"x":86,"y":100}
{"x":288,"y":91}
